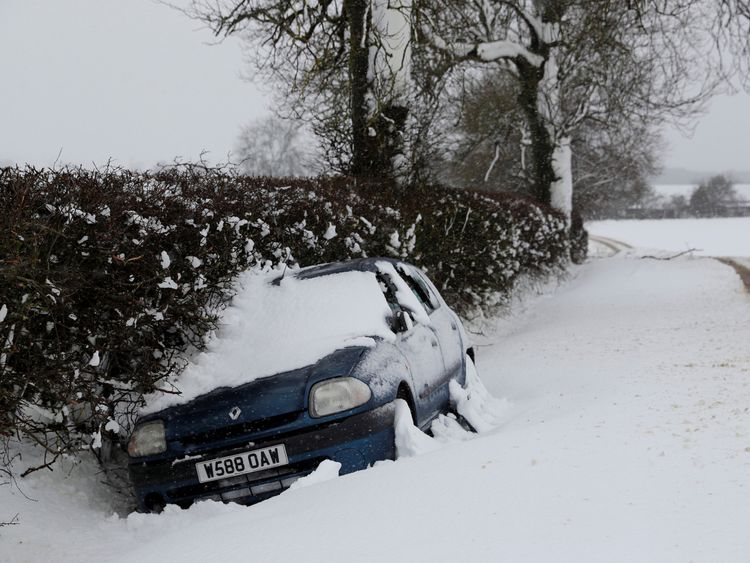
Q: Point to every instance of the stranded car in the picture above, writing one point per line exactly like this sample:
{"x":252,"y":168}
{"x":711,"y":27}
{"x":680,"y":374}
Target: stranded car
{"x":307,"y":367}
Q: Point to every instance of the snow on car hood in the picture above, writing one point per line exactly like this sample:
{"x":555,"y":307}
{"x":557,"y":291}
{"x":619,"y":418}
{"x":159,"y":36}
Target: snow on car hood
{"x":275,"y":326}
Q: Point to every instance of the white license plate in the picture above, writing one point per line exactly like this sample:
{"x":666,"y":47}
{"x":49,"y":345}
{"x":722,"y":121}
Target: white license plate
{"x":242,"y":463}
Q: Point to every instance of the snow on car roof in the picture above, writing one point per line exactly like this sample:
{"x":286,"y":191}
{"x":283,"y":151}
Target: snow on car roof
{"x":276,"y":324}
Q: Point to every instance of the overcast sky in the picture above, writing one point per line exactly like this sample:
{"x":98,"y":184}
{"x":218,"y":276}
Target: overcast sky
{"x":128,"y":79}
{"x":721,"y":141}
{"x":136,"y":81}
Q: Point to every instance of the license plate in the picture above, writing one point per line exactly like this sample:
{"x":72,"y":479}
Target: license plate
{"x":242,"y":463}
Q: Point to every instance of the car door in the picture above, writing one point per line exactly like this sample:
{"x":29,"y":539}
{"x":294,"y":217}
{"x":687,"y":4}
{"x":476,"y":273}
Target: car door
{"x":442,"y":319}
{"x":419,"y":344}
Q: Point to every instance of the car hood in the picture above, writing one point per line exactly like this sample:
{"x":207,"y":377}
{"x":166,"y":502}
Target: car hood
{"x":264,"y":403}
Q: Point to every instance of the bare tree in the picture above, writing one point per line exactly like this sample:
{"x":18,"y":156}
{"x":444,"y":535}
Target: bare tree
{"x":613,"y":167}
{"x":726,"y":21}
{"x":274,"y":147}
{"x":486,"y":148}
{"x":346,"y":67}
{"x":612,"y":161}
{"x":577,"y":61}
{"x":329,"y":58}
{"x":713,"y":198}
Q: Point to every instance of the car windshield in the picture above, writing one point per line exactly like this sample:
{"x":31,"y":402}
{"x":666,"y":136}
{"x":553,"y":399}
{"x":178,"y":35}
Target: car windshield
{"x":279,"y":324}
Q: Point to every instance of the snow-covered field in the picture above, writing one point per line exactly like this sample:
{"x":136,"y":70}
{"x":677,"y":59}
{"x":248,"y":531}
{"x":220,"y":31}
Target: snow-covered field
{"x":625,"y":437}
{"x":710,"y":237}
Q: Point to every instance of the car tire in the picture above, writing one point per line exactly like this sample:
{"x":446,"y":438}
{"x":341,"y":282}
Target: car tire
{"x":405,"y":394}
{"x":465,"y":424}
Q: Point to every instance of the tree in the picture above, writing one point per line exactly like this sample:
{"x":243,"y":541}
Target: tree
{"x":612,"y":162}
{"x":712,"y":198}
{"x":273,"y":147}
{"x":612,"y":168}
{"x":727,"y":22}
{"x":332,"y":57}
{"x":347,"y":68}
{"x":576,"y":61}
{"x":679,"y":205}
{"x":486,"y":148}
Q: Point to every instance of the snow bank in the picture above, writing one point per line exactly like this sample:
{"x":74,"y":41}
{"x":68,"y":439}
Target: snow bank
{"x":473,"y":402}
{"x":274,"y":326}
{"x":410,"y":440}
{"x":327,"y":470}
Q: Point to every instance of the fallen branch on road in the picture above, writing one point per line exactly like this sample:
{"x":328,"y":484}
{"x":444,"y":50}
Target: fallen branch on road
{"x":12,"y":522}
{"x":673,"y":256}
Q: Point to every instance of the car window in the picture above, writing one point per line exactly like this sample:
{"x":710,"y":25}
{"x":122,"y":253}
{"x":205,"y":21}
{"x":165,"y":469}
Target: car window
{"x":426,"y":287}
{"x":419,"y":288}
{"x":389,"y":291}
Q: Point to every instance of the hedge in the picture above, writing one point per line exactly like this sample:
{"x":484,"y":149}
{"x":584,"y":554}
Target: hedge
{"x":110,"y":279}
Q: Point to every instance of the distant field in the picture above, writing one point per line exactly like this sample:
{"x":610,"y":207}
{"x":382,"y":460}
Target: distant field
{"x":714,"y":237}
{"x":668,"y":190}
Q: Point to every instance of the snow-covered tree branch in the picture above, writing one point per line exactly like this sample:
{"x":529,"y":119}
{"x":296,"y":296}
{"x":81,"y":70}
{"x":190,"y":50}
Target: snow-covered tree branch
{"x":329,"y":56}
{"x":583,"y":60}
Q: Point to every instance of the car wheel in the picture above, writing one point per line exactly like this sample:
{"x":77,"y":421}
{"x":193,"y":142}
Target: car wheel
{"x":405,"y":394}
{"x":468,"y":365}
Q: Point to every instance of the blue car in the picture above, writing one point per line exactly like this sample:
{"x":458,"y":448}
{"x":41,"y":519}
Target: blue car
{"x":276,"y":413}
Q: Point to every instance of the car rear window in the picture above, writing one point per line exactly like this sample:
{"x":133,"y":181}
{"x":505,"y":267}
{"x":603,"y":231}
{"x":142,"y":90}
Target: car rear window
{"x":419,"y":287}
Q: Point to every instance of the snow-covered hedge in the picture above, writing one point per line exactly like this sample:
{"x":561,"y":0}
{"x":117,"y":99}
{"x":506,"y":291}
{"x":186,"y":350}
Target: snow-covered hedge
{"x":108,"y":278}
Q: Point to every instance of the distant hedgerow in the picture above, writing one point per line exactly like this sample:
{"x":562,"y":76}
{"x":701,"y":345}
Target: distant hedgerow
{"x":109,"y":279}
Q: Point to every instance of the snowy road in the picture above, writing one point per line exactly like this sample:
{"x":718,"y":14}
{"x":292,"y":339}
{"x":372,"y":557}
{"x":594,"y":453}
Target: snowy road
{"x":604,"y":246}
{"x":638,"y":404}
{"x":627,"y":438}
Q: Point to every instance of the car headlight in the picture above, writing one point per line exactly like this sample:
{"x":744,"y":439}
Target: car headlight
{"x":148,"y":439}
{"x":336,"y":395}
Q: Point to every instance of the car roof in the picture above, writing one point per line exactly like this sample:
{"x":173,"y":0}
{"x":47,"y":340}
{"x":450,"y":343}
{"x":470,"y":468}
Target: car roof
{"x":331,"y":268}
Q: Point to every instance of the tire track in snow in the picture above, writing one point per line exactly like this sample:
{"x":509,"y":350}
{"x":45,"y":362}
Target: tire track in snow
{"x":614,"y":245}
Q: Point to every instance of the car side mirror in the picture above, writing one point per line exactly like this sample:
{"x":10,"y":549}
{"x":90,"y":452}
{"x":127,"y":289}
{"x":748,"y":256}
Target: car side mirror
{"x":404,"y":321}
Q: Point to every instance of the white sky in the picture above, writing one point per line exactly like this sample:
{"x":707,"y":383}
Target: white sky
{"x":136,"y":81}
{"x":720,"y":142}
{"x":128,"y":79}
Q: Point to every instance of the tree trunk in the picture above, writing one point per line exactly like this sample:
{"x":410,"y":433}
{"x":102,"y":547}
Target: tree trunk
{"x":378,"y":71}
{"x":364,"y":148}
{"x":550,"y":105}
{"x":552,"y":176}
{"x":542,"y":172}
{"x":391,"y":65}
{"x":561,"y":190}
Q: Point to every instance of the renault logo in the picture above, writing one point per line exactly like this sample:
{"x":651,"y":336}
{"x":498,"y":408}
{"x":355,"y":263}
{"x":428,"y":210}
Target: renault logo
{"x":235,"y":413}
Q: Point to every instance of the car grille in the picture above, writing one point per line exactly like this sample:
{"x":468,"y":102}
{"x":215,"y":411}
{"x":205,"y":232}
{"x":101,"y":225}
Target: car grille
{"x":236,"y":430}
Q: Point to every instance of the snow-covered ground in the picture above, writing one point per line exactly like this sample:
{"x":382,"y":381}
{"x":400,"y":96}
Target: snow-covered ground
{"x":625,"y":437}
{"x":710,"y":237}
